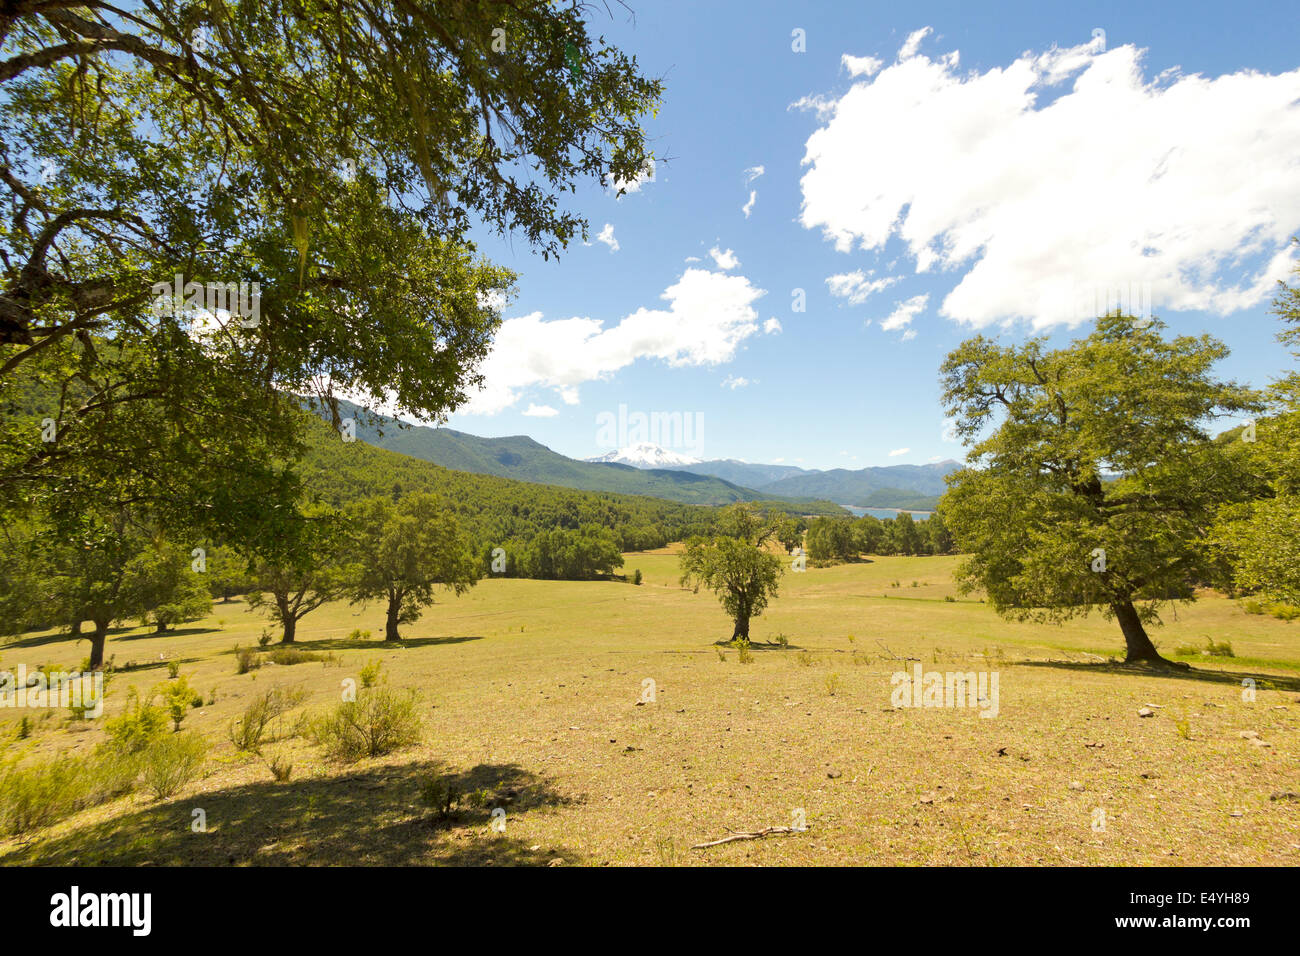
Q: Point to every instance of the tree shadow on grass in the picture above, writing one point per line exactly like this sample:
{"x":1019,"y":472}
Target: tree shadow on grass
{"x":372,"y":817}
{"x":1262,"y":681}
{"x":378,"y":644}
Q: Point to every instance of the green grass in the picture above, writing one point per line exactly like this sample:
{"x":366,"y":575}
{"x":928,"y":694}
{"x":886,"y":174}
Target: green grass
{"x":528,"y":695}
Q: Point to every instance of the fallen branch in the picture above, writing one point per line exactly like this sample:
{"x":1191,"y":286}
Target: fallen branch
{"x":895,"y":656}
{"x":754,"y":835}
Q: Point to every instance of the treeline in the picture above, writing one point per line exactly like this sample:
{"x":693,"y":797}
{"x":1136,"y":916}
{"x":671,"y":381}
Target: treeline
{"x":834,"y":540}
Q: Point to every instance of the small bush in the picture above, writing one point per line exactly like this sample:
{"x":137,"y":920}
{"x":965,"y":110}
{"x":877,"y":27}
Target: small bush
{"x":1221,"y":649}
{"x":1285,"y":612}
{"x":280,"y":767}
{"x":359,"y":635}
{"x":247,"y":733}
{"x":37,"y":796}
{"x":783,"y":641}
{"x":746,"y":656}
{"x":178,"y":697}
{"x":246,"y":659}
{"x":137,"y":727}
{"x":831,"y":683}
{"x":636,"y":576}
{"x":173,"y":761}
{"x":722,"y":656}
{"x":378,"y":722}
{"x":805,"y":659}
{"x":286,"y":656}
{"x":440,"y":796}
{"x":1253,"y":607}
{"x":370,"y":673}
{"x":173,"y":669}
{"x":264,"y":638}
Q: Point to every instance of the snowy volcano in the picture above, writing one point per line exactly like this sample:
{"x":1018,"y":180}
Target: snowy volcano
{"x":646,"y":455}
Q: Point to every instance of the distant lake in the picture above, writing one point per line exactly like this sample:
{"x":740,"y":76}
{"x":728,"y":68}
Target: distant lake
{"x":884,"y":512}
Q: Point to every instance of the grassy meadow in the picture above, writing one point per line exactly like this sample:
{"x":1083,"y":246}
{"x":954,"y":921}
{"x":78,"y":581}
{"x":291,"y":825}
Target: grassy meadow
{"x":530,"y":696}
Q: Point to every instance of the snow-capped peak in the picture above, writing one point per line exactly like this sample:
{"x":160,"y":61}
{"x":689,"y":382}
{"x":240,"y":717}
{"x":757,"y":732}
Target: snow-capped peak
{"x":647,"y":455}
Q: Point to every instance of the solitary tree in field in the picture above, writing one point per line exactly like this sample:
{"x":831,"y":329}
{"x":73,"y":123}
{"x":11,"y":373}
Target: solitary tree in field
{"x":403,"y":551}
{"x":305,"y":571}
{"x":1098,"y":482}
{"x":736,"y":565}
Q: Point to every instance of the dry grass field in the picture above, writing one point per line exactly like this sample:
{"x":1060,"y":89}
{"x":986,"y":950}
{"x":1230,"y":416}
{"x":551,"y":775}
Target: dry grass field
{"x":529,"y":693}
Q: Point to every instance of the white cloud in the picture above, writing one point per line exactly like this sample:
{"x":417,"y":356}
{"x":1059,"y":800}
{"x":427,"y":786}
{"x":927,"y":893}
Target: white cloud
{"x":607,"y":237}
{"x":749,"y":206}
{"x":909,"y":335}
{"x":904,"y":312}
{"x":913,"y":43}
{"x":753,"y":172}
{"x":861,"y":65}
{"x":772,"y":326}
{"x":899,"y":451}
{"x":541,"y":411}
{"x":694,"y":259}
{"x":858,"y":286}
{"x":724,"y":260}
{"x":734,"y":382}
{"x":708,"y":315}
{"x":1062,"y":179}
{"x":934,"y":458}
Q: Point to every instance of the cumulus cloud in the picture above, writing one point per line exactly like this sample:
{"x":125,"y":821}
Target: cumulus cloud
{"x":772,"y":326}
{"x":607,"y":237}
{"x":904,"y":312}
{"x":899,"y":451}
{"x":1050,"y":183}
{"x":858,"y":286}
{"x":707,"y":316}
{"x":734,"y":382}
{"x":541,"y":411}
{"x":724,"y":260}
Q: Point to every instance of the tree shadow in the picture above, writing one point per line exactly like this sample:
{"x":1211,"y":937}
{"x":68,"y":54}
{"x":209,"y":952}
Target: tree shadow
{"x":372,"y":817}
{"x":353,"y":644}
{"x":1262,"y":681}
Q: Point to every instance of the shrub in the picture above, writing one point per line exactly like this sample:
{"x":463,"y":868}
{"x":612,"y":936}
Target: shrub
{"x":281,"y":768}
{"x":136,"y":727}
{"x":286,"y":656}
{"x":783,"y":640}
{"x":173,"y":761}
{"x":378,"y":722}
{"x":636,"y":576}
{"x":178,"y":697}
{"x":370,"y":673}
{"x":832,"y":683}
{"x":359,"y":635}
{"x":1285,"y":612}
{"x":248,"y":731}
{"x":39,"y":795}
{"x":173,"y":669}
{"x":246,"y":659}
{"x":746,"y":656}
{"x":1221,"y":649}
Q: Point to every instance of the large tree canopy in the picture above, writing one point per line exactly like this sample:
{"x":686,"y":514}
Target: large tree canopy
{"x":1099,"y":482}
{"x":331,"y":157}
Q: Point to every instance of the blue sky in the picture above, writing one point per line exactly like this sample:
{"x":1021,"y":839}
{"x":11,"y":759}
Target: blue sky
{"x":987,"y":176}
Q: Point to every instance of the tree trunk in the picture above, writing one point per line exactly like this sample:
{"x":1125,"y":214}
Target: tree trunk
{"x":290,"y":627}
{"x":741,"y":632}
{"x":161,"y":628}
{"x":1137,"y":643}
{"x":390,"y":625}
{"x":97,"y":641}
